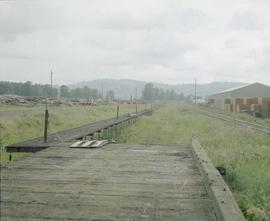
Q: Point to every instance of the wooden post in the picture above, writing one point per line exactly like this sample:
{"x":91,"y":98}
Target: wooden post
{"x":136,"y":108}
{"x":117,"y":112}
{"x":116,"y":131}
{"x":46,"y":126}
{"x":268,"y":109}
{"x":1,"y":142}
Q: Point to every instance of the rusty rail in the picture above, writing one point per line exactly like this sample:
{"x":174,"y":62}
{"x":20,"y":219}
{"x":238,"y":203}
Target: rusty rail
{"x":251,"y":125}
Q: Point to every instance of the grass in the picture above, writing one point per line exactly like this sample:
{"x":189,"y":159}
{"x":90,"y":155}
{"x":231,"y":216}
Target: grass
{"x":244,"y":153}
{"x":30,"y":125}
{"x":7,"y":107}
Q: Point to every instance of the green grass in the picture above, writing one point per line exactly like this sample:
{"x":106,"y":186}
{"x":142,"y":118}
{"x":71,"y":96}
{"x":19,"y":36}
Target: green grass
{"x":23,"y":127}
{"x":7,"y":107}
{"x":245,"y":153}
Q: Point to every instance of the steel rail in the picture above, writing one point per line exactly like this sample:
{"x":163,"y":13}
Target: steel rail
{"x":251,"y":125}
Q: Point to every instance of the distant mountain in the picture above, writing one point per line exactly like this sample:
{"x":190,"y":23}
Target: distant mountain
{"x":125,"y":88}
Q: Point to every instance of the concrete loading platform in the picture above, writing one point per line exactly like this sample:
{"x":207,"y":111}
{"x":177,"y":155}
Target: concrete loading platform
{"x":115,"y":182}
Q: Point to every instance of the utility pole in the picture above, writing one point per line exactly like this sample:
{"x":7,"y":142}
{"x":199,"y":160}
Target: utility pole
{"x":51,"y":79}
{"x":102,"y":92}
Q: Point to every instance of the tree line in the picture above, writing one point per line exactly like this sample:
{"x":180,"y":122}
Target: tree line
{"x":151,"y":93}
{"x":45,"y":90}
{"x":27,"y":89}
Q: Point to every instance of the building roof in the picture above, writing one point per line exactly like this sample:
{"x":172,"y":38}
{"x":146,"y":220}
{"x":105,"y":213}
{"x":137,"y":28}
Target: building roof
{"x":240,"y":87}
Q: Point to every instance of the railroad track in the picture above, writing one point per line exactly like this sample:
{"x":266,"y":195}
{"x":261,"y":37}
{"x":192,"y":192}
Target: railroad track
{"x":251,"y":125}
{"x":37,"y":144}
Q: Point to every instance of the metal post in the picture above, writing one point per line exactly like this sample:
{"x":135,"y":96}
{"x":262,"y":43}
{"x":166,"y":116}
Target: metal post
{"x":46,"y":125}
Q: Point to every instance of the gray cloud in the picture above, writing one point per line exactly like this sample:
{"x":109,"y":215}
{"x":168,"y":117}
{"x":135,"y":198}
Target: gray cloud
{"x":170,"y":41}
{"x":245,"y":20}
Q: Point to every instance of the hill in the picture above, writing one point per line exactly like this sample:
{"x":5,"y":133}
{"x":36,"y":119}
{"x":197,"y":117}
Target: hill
{"x":125,"y":88}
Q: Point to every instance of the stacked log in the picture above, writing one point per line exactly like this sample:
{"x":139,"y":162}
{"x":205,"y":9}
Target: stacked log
{"x":265,"y":106}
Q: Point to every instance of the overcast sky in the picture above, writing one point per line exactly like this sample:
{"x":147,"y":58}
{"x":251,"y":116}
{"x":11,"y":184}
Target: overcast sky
{"x":169,"y":41}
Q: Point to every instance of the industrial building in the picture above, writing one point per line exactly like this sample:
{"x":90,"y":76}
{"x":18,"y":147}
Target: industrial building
{"x":253,"y":97}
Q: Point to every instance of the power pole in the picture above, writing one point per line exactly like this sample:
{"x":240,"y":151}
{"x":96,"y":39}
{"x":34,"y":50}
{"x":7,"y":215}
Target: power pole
{"x":102,"y":92}
{"x":51,"y":78}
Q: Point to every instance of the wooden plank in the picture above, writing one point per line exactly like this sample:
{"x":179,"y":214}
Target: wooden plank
{"x":115,"y":182}
{"x":38,"y":144}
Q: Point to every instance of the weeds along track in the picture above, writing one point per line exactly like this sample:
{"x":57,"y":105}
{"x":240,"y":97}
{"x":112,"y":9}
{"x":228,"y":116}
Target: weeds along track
{"x":251,"y":125}
{"x":37,"y":144}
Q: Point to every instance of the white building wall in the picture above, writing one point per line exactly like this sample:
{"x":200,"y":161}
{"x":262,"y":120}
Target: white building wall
{"x":253,"y":90}
{"x":219,"y":99}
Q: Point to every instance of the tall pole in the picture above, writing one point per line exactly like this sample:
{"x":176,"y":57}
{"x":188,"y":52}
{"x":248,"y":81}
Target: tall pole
{"x":51,"y":78}
{"x":102,"y":92}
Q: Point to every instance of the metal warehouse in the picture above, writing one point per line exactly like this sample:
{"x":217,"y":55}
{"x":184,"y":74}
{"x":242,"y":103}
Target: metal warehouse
{"x":253,"y":97}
